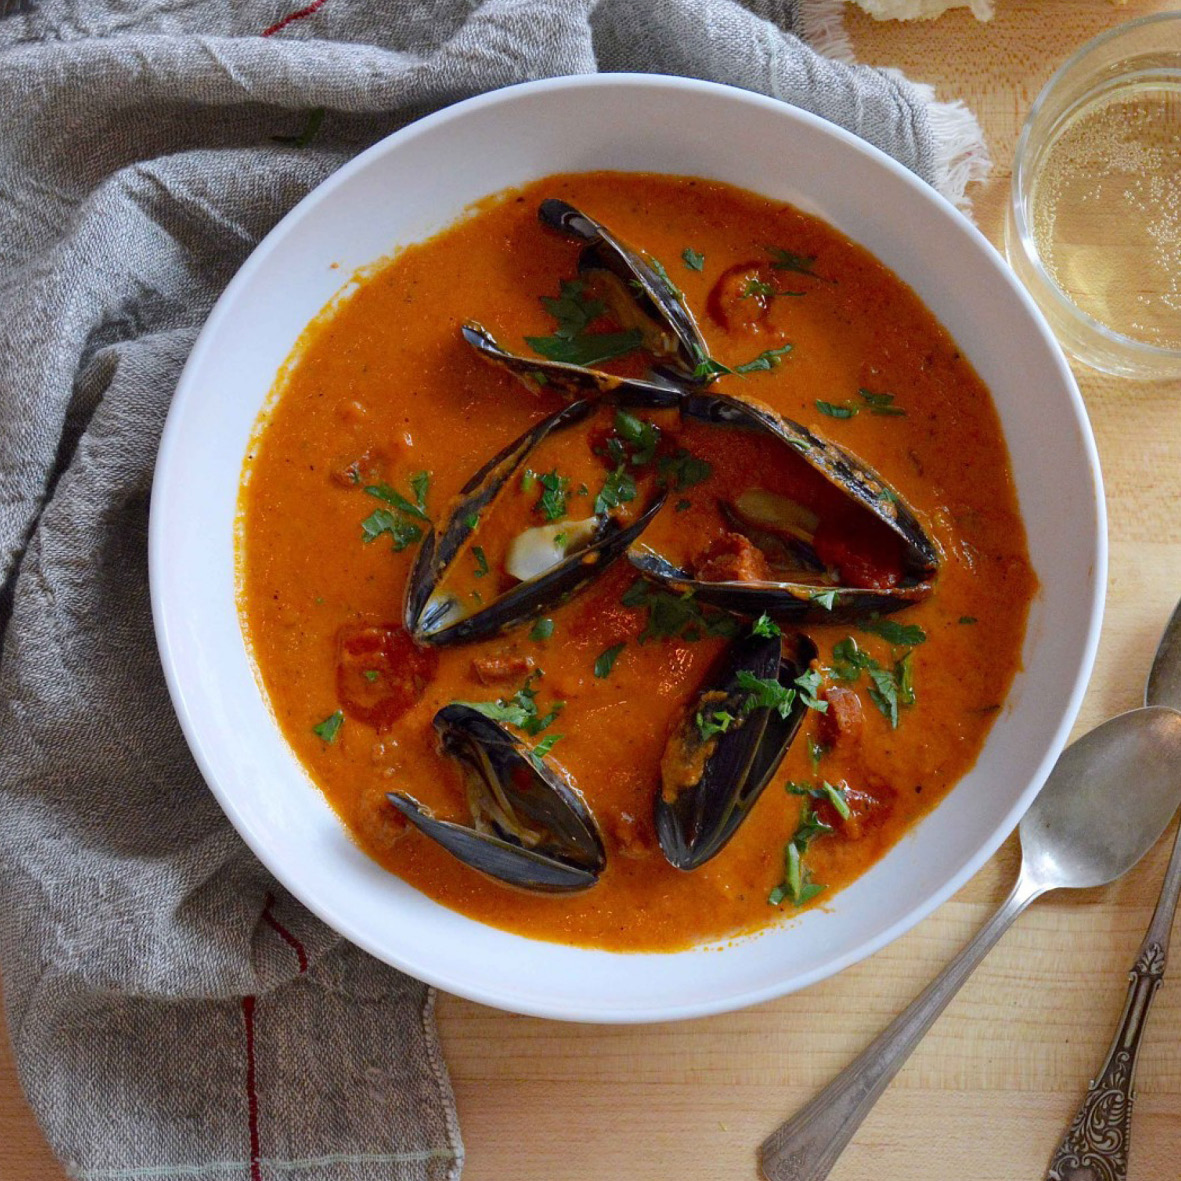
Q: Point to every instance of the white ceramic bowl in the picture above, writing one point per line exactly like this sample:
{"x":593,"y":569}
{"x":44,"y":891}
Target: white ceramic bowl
{"x":410,"y":186}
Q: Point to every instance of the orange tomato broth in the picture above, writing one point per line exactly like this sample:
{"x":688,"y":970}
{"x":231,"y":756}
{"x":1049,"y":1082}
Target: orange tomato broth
{"x":382,"y":381}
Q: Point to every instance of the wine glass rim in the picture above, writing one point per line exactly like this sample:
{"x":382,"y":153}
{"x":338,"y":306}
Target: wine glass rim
{"x":1144,"y":351}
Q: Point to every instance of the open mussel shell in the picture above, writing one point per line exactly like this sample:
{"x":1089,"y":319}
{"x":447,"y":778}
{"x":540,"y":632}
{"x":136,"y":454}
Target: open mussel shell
{"x":529,"y":827}
{"x":709,"y":784}
{"x":808,"y":599}
{"x":574,"y":381}
{"x":637,"y":293}
{"x":433,"y":616}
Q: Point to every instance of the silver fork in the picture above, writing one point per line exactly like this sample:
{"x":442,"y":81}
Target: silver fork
{"x":12,"y":7}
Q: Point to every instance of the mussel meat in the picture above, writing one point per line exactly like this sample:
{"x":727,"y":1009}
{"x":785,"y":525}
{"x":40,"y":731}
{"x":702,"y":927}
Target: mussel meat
{"x":728,"y":743}
{"x":530,"y":828}
{"x":777,"y":566}
{"x":458,"y":592}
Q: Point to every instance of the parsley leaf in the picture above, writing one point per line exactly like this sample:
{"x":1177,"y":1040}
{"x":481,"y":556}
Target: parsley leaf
{"x":767,"y":359}
{"x":786,"y":260}
{"x":765,"y":693}
{"x":797,"y":883}
{"x":826,"y":599}
{"x":544,"y":747}
{"x":606,"y":661}
{"x":481,"y":560}
{"x":902,"y":635}
{"x":693,"y":260}
{"x":662,"y":274}
{"x":708,"y":367}
{"x":618,"y":488}
{"x":765,"y":626}
{"x":381,"y":521}
{"x":808,"y":684}
{"x":520,"y":710}
{"x":675,"y":616}
{"x":552,"y":502}
{"x":371,"y":674}
{"x":571,"y":341}
{"x":394,"y":497}
{"x":643,"y":436}
{"x":717,"y":721}
{"x":967,"y":619}
{"x":835,"y":411}
{"x":542,"y":629}
{"x":882,"y":404}
{"x":683,"y":470}
{"x":329,"y":727}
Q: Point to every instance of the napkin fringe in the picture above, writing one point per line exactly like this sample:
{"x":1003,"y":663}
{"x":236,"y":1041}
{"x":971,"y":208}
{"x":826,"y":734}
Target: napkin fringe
{"x":822,"y":26}
{"x":961,"y":155}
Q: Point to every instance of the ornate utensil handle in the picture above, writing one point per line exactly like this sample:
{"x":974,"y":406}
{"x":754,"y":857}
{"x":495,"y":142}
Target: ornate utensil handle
{"x":1096,"y":1146}
{"x":807,"y":1146}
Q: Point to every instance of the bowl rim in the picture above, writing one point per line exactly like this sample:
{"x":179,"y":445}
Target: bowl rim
{"x":163,"y":619}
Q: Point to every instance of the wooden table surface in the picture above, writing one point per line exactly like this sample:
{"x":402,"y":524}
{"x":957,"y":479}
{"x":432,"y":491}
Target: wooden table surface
{"x":988,"y":1093}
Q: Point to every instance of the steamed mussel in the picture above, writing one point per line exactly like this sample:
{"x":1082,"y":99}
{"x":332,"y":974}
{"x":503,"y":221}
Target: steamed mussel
{"x":856,"y":550}
{"x":520,"y":539}
{"x":727,"y":744}
{"x":529,"y":827}
{"x":631,"y":289}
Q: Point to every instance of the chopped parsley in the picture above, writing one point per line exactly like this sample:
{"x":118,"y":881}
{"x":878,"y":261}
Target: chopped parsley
{"x":765,"y":626}
{"x":682,"y":505}
{"x":902,"y":635}
{"x":708,"y":367}
{"x":662,"y":275}
{"x":544,"y":747}
{"x":554,"y":491}
{"x":606,"y":660}
{"x":693,"y":260}
{"x":542,"y":629}
{"x":797,"y":883}
{"x":826,"y":791}
{"x":835,"y":411}
{"x":571,"y":341}
{"x":765,"y":693}
{"x":676,"y":616}
{"x":969,"y":619}
{"x":481,"y":560}
{"x":618,"y":488}
{"x":808,"y":683}
{"x":683,"y":470}
{"x":635,"y":436}
{"x":472,"y":521}
{"x":520,"y":710}
{"x":371,"y":674}
{"x":826,"y":599}
{"x":393,"y":496}
{"x":381,"y":521}
{"x":765,"y":290}
{"x":889,"y":688}
{"x":329,"y":727}
{"x":717,"y":721}
{"x":816,"y":751}
{"x":766,"y":360}
{"x":882,"y":404}
{"x":800,"y":264}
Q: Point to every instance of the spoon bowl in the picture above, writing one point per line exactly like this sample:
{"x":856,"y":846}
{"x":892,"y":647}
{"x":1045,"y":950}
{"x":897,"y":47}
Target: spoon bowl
{"x":1107,"y":801}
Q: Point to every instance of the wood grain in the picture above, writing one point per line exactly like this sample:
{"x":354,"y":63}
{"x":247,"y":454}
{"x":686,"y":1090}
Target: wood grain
{"x":989,"y":1091}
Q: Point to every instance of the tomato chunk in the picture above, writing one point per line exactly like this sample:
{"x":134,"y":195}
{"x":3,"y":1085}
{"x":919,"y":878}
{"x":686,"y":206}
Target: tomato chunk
{"x":380,"y":672}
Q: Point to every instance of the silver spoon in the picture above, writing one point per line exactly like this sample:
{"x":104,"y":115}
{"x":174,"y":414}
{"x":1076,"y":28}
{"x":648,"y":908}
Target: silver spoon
{"x":1095,"y":1148}
{"x":1078,"y":833}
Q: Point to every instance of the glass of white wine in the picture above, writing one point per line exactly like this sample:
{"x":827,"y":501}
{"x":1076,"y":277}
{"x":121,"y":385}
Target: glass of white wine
{"x":1094,"y":222}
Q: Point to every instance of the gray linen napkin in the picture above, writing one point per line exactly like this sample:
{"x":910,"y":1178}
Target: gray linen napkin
{"x":174,"y":1012}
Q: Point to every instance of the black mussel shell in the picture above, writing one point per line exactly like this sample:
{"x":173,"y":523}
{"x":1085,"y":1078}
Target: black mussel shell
{"x":806,"y":600}
{"x":571,"y":380}
{"x":709,"y":785}
{"x":638,"y":294}
{"x":529,"y":827}
{"x":432,"y":619}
